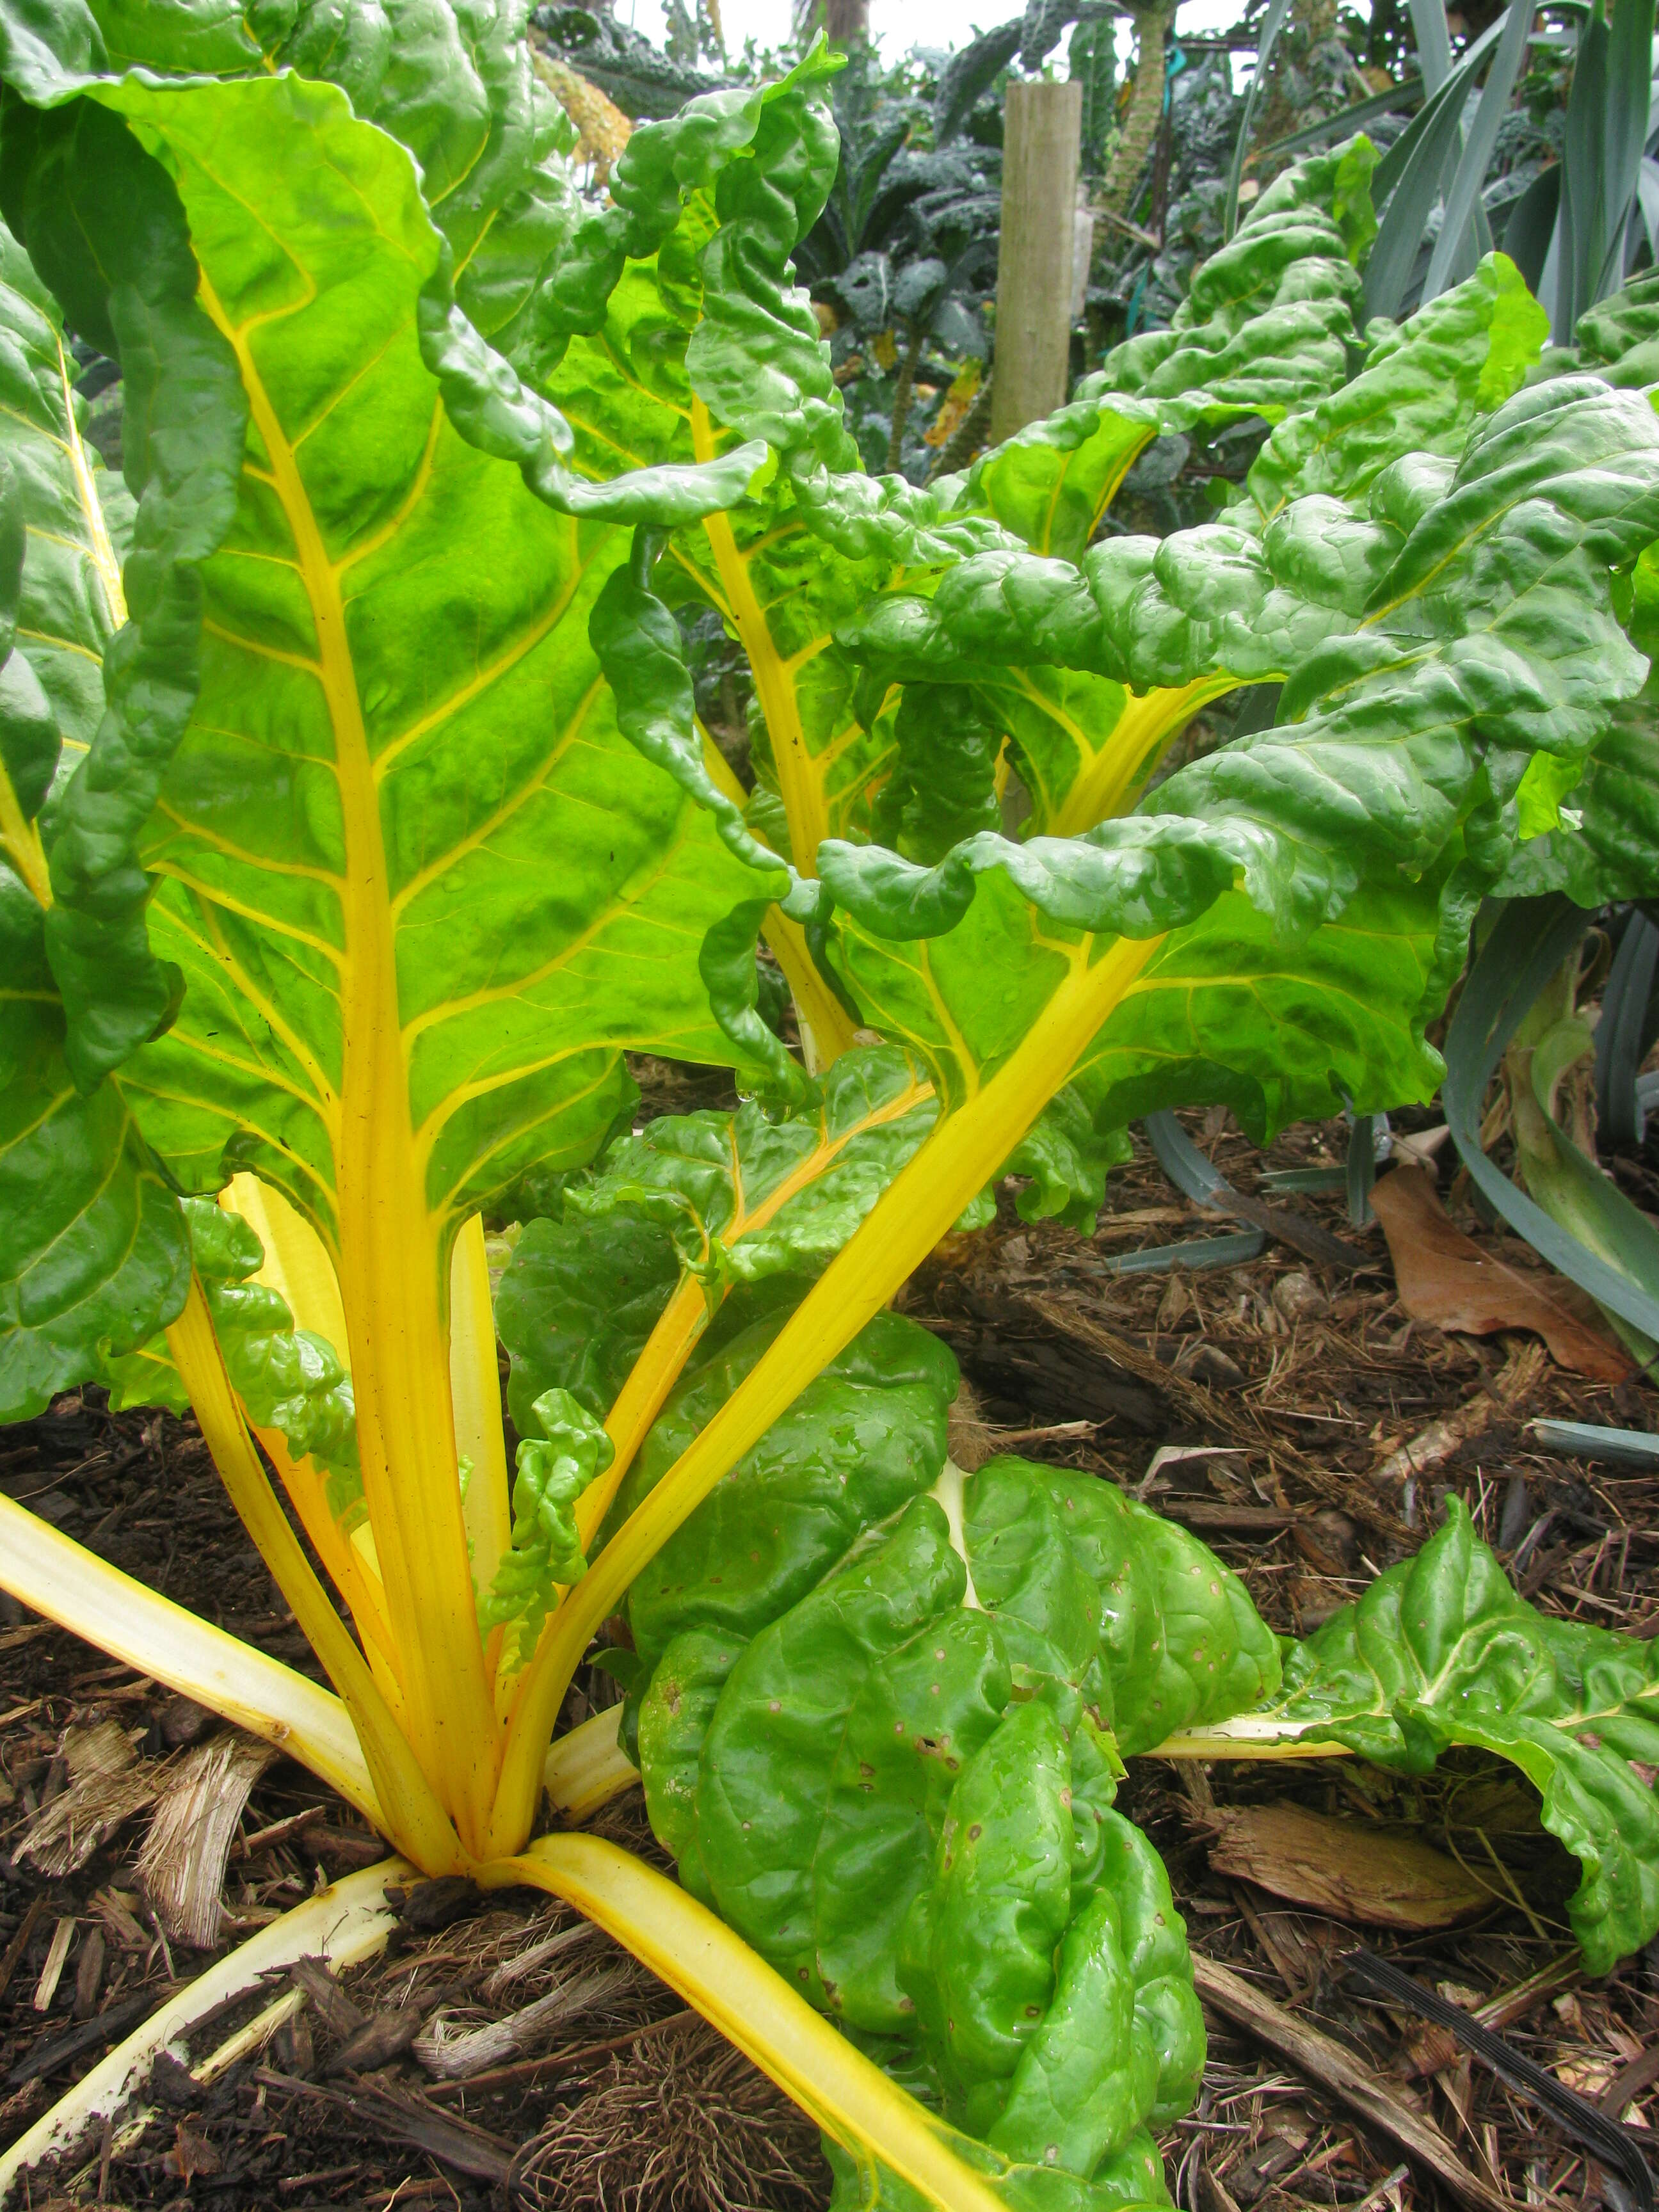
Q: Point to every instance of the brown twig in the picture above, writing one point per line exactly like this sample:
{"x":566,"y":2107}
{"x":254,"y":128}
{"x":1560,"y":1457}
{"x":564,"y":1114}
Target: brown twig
{"x":1326,"y":2062}
{"x":904,"y":394}
{"x":20,"y":1941}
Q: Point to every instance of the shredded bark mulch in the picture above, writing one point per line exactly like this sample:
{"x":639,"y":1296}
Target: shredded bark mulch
{"x":1286,"y":1410}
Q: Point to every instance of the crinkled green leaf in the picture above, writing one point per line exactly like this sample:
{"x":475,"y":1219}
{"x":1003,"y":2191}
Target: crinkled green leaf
{"x":287,"y":1378}
{"x":861,"y":1441}
{"x":1267,"y":322}
{"x":455,"y":83}
{"x":1619,"y":338}
{"x":1218,"y":599}
{"x":737,"y":1199}
{"x":70,"y":604}
{"x":1228,"y":1013}
{"x":1440,"y":1652}
{"x":1128,"y":2180}
{"x":1491,"y":633}
{"x":899,"y":1790}
{"x":566,"y":1451}
{"x":1067,"y":1155}
{"x":942,"y":783}
{"x":1604,"y":844}
{"x":578,"y":1298}
{"x":1174,"y":1632}
{"x":1051,"y":482}
{"x":698,"y":336}
{"x":1420,"y":390}
{"x":74,"y":176}
{"x":749,"y":1195}
{"x":93,"y":1258}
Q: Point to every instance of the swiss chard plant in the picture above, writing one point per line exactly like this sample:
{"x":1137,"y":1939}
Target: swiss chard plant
{"x":356,"y":824}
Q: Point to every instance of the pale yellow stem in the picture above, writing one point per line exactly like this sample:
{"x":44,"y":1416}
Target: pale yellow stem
{"x":19,"y":844}
{"x":349,"y":1921}
{"x":798,"y":780}
{"x":964,"y":1151}
{"x":1146,"y":728}
{"x":350,"y":1572}
{"x":587,"y":1767}
{"x":827,"y":1028}
{"x":1248,"y":1735}
{"x":296,"y":1266}
{"x":62,"y":1580}
{"x":641,"y":1398}
{"x":388,"y":1245}
{"x":104,"y":561}
{"x":475,"y":1387}
{"x":752,"y":2006}
{"x":409,"y":1813}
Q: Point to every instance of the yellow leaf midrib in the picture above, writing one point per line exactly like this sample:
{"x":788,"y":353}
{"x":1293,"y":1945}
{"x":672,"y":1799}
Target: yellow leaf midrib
{"x":388,"y":1256}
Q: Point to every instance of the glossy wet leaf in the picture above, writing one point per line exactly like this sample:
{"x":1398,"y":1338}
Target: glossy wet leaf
{"x":1440,"y":1653}
{"x":1421,"y":388}
{"x":1267,"y":321}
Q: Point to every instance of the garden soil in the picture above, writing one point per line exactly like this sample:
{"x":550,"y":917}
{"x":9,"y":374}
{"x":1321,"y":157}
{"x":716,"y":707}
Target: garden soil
{"x":1288,"y":1410}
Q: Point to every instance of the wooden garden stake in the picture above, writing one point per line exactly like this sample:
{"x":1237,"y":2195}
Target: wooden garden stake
{"x":1034,"y":266}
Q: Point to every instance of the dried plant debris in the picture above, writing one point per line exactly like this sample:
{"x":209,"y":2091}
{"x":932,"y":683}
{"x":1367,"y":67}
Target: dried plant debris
{"x":1371,"y":1875}
{"x":107,"y":1785}
{"x":685,"y":2124}
{"x":1446,"y":1278}
{"x":182,"y":1866}
{"x":453,"y":2052}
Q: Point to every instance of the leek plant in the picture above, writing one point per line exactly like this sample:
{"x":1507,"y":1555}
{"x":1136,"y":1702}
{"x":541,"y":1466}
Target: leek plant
{"x":356,"y":823}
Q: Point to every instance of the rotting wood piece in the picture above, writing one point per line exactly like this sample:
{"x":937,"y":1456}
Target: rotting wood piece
{"x":397,"y":2116}
{"x":1334,"y":2068}
{"x":20,"y":1939}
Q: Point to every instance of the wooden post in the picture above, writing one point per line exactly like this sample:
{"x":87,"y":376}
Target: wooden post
{"x":1034,"y":263}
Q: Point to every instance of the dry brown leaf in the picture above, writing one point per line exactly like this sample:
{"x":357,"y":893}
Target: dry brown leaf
{"x":1350,"y":1871}
{"x":1444,"y":1278}
{"x":190,"y":2155}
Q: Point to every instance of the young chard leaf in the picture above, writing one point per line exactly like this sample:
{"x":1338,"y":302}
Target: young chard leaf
{"x":1440,"y":1652}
